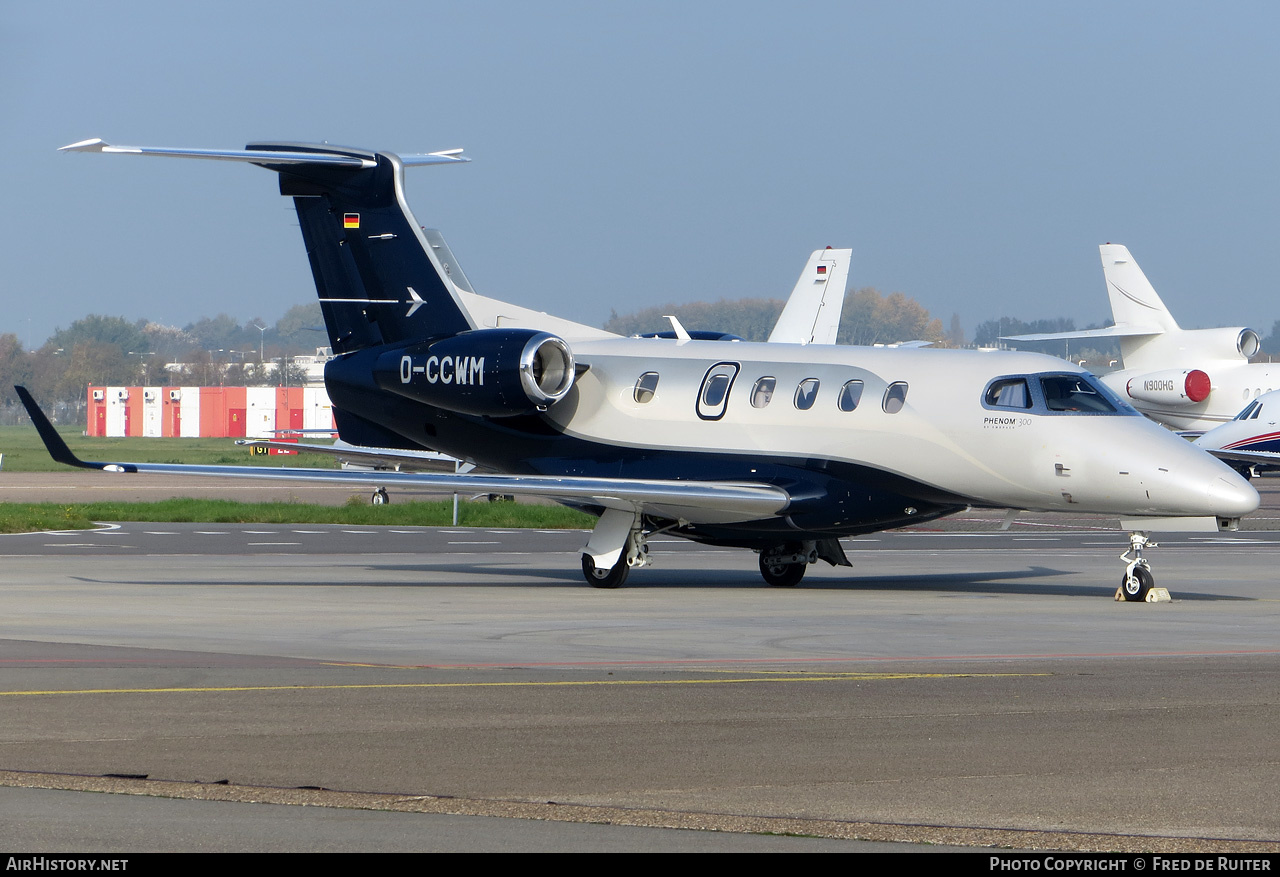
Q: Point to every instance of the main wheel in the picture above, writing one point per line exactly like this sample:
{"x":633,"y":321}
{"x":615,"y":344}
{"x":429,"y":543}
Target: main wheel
{"x":380,"y":497}
{"x":1135,"y":586}
{"x":786,"y":575}
{"x":604,"y":578}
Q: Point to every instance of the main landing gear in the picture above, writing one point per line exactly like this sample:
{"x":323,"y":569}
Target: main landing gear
{"x":605,"y":577}
{"x":783,"y":566}
{"x":1138,"y":580}
{"x":617,"y":545}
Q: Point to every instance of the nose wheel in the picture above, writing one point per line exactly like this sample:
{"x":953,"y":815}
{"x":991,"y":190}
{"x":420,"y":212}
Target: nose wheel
{"x":1138,"y":579}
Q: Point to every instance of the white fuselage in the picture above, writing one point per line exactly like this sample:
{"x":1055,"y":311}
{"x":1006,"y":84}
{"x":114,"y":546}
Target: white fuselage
{"x":943,"y":436}
{"x":1255,"y":430}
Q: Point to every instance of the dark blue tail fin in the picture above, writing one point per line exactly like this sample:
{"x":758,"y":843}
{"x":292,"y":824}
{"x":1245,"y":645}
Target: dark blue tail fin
{"x":378,"y":280}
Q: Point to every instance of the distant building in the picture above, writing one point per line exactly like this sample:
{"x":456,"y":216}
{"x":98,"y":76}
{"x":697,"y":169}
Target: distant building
{"x":215,"y":412}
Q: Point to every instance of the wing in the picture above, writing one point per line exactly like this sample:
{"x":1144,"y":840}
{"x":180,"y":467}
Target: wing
{"x":697,"y":502}
{"x":1253,"y":458}
{"x":370,"y":458}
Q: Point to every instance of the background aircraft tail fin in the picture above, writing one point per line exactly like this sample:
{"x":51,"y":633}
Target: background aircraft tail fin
{"x":812,"y":313}
{"x":1134,"y":301}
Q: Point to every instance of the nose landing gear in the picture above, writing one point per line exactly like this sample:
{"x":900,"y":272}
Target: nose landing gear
{"x":1138,"y":579}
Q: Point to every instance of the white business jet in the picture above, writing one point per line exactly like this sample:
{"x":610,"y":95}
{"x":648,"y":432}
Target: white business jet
{"x":779,"y":448}
{"x":1251,"y":442}
{"x":1187,"y":379}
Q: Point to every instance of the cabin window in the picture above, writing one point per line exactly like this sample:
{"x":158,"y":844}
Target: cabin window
{"x":807,"y":393}
{"x":714,"y":397}
{"x":895,"y":396}
{"x":1073,"y":393}
{"x":1009,"y":393}
{"x":646,"y":387}
{"x":762,"y":392}
{"x":850,"y":395}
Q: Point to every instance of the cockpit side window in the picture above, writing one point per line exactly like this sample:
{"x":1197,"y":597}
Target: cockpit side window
{"x":1055,"y":394}
{"x":1073,"y":393}
{"x":1008,"y":393}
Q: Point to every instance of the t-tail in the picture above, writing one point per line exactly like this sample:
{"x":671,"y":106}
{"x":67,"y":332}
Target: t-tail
{"x":1150,"y":338}
{"x":378,"y":276}
{"x":412,"y":340}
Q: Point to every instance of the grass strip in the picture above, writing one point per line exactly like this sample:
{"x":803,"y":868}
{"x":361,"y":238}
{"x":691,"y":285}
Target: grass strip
{"x":24,"y":452}
{"x":32,"y":517}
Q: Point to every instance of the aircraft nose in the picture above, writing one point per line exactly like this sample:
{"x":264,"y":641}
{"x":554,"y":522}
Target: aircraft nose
{"x":1231,"y":496}
{"x":1188,"y":481}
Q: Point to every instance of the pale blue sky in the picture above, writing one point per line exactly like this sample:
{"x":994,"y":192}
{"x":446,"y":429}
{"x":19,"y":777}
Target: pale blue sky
{"x":973,"y":154}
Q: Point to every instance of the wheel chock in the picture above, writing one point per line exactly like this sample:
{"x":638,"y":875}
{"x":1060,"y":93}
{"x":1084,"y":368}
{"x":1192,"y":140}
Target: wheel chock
{"x":1155,"y":595}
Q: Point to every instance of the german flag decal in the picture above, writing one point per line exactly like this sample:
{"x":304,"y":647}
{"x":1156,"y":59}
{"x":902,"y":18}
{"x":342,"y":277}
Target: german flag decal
{"x":351,"y":220}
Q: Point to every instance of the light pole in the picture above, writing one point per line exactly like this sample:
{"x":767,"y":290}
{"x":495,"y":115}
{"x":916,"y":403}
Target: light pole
{"x":262,"y":335}
{"x":143,"y":358}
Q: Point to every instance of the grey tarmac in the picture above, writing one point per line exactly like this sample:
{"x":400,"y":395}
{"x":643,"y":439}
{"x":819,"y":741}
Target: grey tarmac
{"x":954,"y":687}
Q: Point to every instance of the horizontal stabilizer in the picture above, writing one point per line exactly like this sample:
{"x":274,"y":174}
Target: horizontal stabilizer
{"x":1126,"y":331}
{"x":374,"y":458}
{"x":312,"y":154}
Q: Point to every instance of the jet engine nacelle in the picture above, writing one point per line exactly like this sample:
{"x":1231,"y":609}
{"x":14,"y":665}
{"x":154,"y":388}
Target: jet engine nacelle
{"x":1172,"y":387}
{"x":490,"y":372}
{"x":1235,"y":343}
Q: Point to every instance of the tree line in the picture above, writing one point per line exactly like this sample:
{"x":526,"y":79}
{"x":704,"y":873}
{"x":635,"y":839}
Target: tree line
{"x":114,"y":351}
{"x":869,"y":317}
{"x":105,"y":350}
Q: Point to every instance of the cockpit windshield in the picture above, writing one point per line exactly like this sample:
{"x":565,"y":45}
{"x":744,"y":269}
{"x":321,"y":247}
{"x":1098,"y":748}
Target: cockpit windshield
{"x":1074,"y":393}
{"x":1250,"y":412}
{"x":1053,"y":394}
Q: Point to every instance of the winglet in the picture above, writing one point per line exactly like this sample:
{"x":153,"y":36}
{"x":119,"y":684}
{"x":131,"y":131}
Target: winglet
{"x":53,"y":442}
{"x":94,"y":144}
